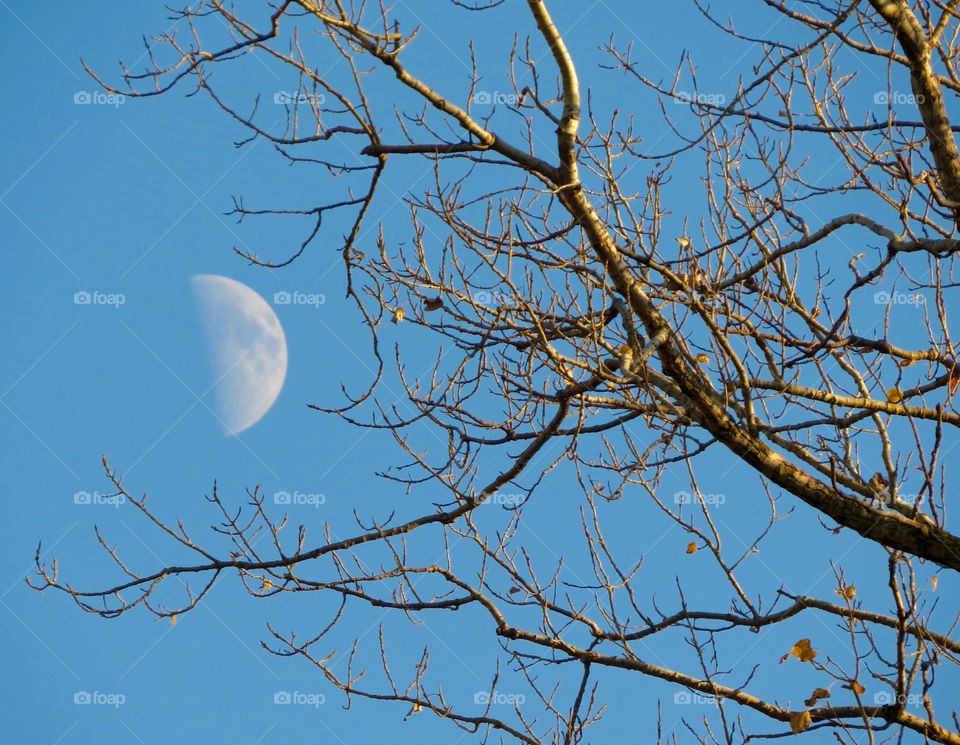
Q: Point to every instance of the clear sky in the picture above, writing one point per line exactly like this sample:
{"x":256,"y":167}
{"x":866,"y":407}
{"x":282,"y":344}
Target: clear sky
{"x":126,"y":200}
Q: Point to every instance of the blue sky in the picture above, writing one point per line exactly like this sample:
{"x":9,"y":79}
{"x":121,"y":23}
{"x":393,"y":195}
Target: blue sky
{"x":127,"y":199}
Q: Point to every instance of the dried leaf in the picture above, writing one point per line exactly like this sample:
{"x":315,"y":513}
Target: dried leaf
{"x":513,"y":590}
{"x":854,"y":685}
{"x":173,"y":619}
{"x":433,"y":303}
{"x":953,"y":382}
{"x":684,"y":242}
{"x":692,"y":547}
{"x":934,"y":581}
{"x":906,"y":363}
{"x":800,"y":721}
{"x":398,"y":315}
{"x":703,"y":359}
{"x":895,"y":395}
{"x":818,"y":693}
{"x":803,"y":651}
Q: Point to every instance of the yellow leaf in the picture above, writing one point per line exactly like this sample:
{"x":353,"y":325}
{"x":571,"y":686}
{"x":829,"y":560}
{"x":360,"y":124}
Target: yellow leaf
{"x":800,"y":721}
{"x":895,"y":395}
{"x":849,"y":592}
{"x":684,"y":242}
{"x":692,"y":547}
{"x":173,"y":620}
{"x":934,"y":581}
{"x":266,"y":585}
{"x":417,"y":708}
{"x":433,"y":303}
{"x":856,"y":687}
{"x":398,"y":315}
{"x":703,"y":359}
{"x":803,"y":651}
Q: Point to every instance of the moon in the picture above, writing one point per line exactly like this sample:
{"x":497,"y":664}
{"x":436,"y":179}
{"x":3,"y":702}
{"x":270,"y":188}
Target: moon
{"x":247,"y":350}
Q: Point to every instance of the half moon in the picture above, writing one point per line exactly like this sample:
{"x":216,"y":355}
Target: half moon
{"x":247,"y":350}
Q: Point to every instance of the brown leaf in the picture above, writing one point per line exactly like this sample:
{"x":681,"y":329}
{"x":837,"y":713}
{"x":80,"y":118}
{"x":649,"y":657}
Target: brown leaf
{"x":433,"y":303}
{"x":692,"y":547}
{"x":799,"y":721}
{"x":803,"y":651}
{"x":818,"y":693}
{"x":934,"y":581}
{"x":854,"y":685}
{"x":953,"y":382}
